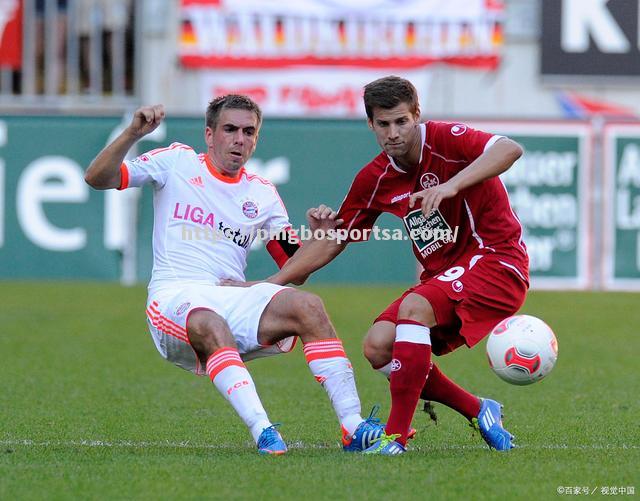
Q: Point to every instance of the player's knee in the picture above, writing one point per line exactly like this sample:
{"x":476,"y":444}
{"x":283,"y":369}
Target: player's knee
{"x":311,"y":317}
{"x":376,"y":350}
{"x":417,"y":308}
{"x":208,"y":331}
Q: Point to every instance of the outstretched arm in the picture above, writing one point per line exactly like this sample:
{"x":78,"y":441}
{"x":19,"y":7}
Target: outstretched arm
{"x":315,"y":253}
{"x":311,"y":256}
{"x":493,"y":162}
{"x":104,"y":171}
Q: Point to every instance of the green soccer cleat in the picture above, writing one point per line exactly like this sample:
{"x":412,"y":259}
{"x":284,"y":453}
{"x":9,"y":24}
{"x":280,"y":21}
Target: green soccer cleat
{"x":386,"y":445}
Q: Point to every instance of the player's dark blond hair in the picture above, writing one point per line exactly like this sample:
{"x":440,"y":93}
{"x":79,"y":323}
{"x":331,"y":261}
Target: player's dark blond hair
{"x":389,"y":92}
{"x":230,"y":101}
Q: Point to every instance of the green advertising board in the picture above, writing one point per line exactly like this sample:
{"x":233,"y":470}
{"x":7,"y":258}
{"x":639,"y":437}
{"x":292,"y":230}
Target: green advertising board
{"x":51,"y":223}
{"x":550,"y":189}
{"x":621,"y":223}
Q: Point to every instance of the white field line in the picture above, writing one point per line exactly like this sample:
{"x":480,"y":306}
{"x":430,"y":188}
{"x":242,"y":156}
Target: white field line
{"x":126,"y":444}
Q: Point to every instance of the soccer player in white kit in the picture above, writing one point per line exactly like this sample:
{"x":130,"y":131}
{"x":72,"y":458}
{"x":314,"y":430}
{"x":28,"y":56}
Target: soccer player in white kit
{"x":207,"y":211}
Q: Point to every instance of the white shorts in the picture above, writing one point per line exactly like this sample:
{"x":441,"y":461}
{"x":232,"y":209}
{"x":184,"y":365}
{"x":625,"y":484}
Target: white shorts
{"x":241,"y":307}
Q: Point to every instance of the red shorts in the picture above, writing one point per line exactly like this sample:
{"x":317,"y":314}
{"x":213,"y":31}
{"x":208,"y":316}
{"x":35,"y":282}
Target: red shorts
{"x":468,"y":300}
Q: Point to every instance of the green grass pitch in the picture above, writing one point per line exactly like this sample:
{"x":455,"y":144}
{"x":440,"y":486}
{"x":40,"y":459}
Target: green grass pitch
{"x":89,"y":410}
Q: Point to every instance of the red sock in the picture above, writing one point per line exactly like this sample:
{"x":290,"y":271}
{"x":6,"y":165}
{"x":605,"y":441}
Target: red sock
{"x":410,"y":366}
{"x":440,"y":388}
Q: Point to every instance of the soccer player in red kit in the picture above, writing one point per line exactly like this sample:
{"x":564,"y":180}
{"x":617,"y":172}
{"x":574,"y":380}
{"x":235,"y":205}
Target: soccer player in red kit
{"x":442,"y":180}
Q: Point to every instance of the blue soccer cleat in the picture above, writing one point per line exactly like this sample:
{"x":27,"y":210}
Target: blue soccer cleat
{"x":386,"y":445}
{"x":365,"y":435}
{"x":489,"y":424}
{"x":270,"y":441}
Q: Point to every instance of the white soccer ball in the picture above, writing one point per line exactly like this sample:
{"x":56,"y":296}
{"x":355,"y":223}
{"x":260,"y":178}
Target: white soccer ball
{"x":522,"y":349}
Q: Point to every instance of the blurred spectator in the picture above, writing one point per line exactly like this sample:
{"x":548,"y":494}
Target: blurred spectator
{"x":109,"y":21}
{"x":59,"y":41}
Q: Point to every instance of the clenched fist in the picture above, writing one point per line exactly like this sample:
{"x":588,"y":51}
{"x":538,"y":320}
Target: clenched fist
{"x":146,"y":119}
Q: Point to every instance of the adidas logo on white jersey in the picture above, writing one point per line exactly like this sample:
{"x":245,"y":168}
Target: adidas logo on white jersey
{"x":197,"y":181}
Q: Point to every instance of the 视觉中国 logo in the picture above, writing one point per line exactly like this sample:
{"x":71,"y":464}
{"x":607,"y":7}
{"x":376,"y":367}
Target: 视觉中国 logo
{"x":250,"y":209}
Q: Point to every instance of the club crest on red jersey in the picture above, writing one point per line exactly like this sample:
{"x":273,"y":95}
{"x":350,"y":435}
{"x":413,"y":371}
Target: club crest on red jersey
{"x":429,"y":180}
{"x":250,"y":209}
{"x":458,"y":129}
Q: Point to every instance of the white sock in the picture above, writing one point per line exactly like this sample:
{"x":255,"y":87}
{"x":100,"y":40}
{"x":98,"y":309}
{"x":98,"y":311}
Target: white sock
{"x":332,"y":369}
{"x":230,"y":376}
{"x":413,"y":333}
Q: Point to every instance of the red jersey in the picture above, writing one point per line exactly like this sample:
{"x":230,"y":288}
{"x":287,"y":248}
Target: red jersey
{"x":478,"y":220}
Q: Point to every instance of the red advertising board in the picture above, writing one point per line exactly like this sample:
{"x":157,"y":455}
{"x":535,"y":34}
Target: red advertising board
{"x":243,"y":34}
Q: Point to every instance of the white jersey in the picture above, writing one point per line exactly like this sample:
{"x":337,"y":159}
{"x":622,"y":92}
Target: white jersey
{"x":204,"y":223}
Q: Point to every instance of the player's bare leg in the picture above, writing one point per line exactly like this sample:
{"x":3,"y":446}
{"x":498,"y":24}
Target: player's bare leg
{"x":378,"y":346}
{"x":293,"y":312}
{"x":208,"y":332}
{"x":299,"y":313}
{"x":212,"y":340}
